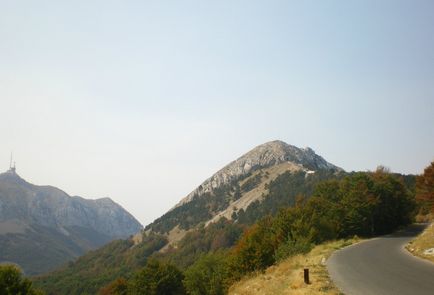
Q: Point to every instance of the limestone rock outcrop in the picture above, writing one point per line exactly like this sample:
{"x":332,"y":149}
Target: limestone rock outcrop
{"x":263,"y":156}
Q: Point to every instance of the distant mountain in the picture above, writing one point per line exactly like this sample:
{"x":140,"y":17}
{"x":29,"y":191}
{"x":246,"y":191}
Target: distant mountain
{"x":42,"y":227}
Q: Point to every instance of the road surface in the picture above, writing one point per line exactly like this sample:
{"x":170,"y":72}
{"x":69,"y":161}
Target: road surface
{"x":382,"y":266}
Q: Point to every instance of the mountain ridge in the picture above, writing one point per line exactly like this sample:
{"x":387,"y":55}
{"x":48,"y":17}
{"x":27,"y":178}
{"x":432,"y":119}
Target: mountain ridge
{"x":235,"y":187}
{"x":54,"y":226}
{"x":265,"y":155}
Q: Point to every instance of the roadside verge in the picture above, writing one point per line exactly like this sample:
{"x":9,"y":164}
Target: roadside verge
{"x":287,"y":276}
{"x":423,"y":245}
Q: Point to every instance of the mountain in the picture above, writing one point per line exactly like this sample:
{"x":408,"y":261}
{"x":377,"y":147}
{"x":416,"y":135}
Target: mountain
{"x":211,"y":217}
{"x":237,"y":185}
{"x":42,"y":227}
{"x":265,"y":155}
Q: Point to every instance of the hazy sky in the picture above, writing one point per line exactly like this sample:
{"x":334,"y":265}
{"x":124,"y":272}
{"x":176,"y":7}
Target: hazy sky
{"x":141,"y":101}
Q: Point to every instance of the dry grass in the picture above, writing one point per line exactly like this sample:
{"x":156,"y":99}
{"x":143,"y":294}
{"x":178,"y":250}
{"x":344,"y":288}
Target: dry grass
{"x":287,"y":276}
{"x":423,"y":242}
{"x":175,"y":235}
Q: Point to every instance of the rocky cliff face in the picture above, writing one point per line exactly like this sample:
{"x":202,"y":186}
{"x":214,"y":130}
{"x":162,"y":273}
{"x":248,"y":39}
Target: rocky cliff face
{"x":263,"y":156}
{"x":54,"y":226}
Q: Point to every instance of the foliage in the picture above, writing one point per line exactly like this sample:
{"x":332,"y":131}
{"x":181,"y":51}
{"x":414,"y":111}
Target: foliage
{"x":117,"y":287}
{"x":282,"y":193}
{"x":12,"y":282}
{"x":199,"y":209}
{"x":366,"y":204}
{"x":425,"y":190}
{"x":207,"y":275}
{"x":157,"y":278}
{"x":291,"y":248}
{"x":216,"y":236}
{"x":251,"y":182}
{"x":202,"y":207}
{"x":363,"y":204}
{"x":97,"y":268}
{"x":255,"y":250}
{"x":300,"y":211}
{"x":186,"y":215}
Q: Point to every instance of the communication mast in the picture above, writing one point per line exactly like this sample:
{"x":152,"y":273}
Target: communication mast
{"x":12,"y":168}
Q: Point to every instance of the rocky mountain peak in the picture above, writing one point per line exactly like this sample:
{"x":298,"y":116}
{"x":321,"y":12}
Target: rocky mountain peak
{"x":263,"y":156}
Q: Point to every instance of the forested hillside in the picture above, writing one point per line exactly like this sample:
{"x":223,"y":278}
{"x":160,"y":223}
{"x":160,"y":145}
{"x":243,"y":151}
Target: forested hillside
{"x":301,"y":210}
{"x":222,"y":234}
{"x":93,"y":270}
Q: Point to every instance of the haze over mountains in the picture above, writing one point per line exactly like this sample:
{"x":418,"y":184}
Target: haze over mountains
{"x":42,"y":227}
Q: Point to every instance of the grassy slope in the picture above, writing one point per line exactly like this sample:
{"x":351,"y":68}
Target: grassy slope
{"x":422,"y":242}
{"x":287,"y":276}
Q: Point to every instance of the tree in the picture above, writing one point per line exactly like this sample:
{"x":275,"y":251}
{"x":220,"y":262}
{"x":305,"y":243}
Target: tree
{"x":158,"y":278}
{"x":12,"y":282}
{"x":425,"y":190}
{"x":255,"y":249}
{"x":395,"y":205}
{"x":207,"y":275}
{"x":117,"y":287}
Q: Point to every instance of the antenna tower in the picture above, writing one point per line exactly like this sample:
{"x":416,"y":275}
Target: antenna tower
{"x":12,"y":167}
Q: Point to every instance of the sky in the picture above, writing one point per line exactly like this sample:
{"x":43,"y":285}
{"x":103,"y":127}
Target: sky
{"x":141,"y":101}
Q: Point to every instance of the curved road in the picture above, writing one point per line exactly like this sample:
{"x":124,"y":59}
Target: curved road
{"x":382,"y":266}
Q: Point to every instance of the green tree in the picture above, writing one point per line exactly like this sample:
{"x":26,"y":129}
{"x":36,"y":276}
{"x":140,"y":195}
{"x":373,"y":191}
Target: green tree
{"x":425,"y":190}
{"x":255,"y":249}
{"x":12,"y":282}
{"x":362,"y":203}
{"x":207,"y":275}
{"x":395,"y":205}
{"x":158,"y":278}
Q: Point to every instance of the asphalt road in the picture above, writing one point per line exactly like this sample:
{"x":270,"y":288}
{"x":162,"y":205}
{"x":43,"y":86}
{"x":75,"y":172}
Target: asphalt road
{"x":382,"y":266}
